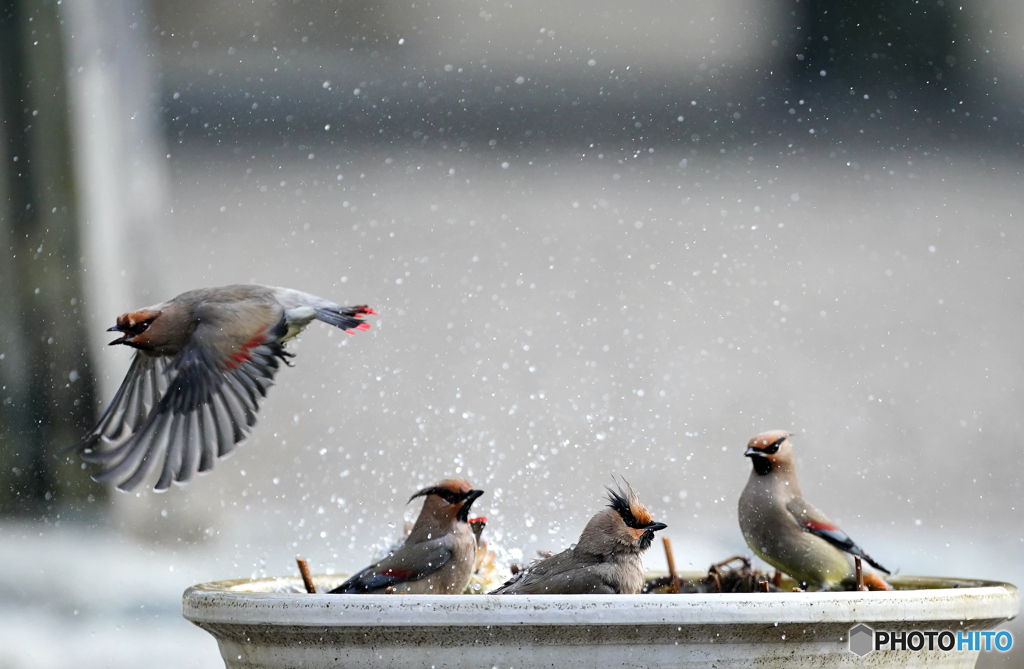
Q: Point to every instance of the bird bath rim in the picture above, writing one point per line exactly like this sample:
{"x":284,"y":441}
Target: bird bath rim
{"x":917,"y":598}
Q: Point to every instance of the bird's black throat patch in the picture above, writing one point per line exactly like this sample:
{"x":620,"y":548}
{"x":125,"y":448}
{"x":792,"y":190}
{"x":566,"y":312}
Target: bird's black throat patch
{"x":762,"y":465}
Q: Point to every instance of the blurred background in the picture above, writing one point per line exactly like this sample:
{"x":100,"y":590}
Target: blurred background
{"x":602,"y":239}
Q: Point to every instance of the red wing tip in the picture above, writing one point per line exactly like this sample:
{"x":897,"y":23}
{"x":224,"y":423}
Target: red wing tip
{"x":810,"y":524}
{"x":363,"y":310}
{"x":363,"y":326}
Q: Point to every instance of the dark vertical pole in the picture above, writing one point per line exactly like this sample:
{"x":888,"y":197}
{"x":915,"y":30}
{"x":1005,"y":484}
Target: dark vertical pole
{"x":46,"y":383}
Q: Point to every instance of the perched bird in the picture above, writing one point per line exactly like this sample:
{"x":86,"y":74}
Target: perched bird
{"x":203,"y":360}
{"x":606,"y":559}
{"x":438,"y":556}
{"x":486,"y":574}
{"x":786,"y":531}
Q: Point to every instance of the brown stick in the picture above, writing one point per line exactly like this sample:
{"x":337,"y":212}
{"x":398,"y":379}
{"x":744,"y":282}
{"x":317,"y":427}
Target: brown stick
{"x":763,"y":586}
{"x":671,"y":565}
{"x":859,"y":569}
{"x":714,"y":579}
{"x":777,"y":579}
{"x":307,"y":579}
{"x":724,"y":563}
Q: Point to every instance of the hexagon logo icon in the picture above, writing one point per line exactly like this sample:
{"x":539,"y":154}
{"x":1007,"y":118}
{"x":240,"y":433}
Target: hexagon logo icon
{"x":862,"y":640}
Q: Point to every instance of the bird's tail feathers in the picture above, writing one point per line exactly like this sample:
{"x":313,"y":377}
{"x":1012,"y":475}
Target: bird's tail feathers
{"x":346,"y":318}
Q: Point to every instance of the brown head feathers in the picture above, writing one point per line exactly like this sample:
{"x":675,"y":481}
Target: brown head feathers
{"x":452,"y":491}
{"x":768,"y":440}
{"x":458,"y":494}
{"x":769,"y":451}
{"x":133,"y":324}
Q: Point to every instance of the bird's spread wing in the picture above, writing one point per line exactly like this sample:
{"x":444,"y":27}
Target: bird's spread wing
{"x":408,"y":563}
{"x":143,"y":385}
{"x":819,"y":525}
{"x":197,"y":407}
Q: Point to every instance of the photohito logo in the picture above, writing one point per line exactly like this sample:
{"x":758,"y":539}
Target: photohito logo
{"x":864,"y":640}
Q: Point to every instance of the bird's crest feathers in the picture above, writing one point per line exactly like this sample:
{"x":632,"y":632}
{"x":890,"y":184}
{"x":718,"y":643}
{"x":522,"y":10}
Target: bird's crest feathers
{"x":450,"y":490}
{"x":628,"y":505}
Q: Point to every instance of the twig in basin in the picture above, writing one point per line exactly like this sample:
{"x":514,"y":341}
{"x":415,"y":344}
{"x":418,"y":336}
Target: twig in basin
{"x":307,"y":579}
{"x":714,"y":579}
{"x":671,"y":565}
{"x":858,"y":568}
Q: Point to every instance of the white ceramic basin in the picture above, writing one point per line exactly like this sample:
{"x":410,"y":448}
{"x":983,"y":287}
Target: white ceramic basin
{"x":261,"y":624}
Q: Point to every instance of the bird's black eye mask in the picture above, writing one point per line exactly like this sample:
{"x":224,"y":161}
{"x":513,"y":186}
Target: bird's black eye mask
{"x":617,"y":500}
{"x":133,"y":329}
{"x":130,"y":331}
{"x":770,"y":449}
{"x":447,"y":495}
{"x":452,"y":497}
{"x":141,"y":326}
{"x":762,"y":465}
{"x":773,"y":447}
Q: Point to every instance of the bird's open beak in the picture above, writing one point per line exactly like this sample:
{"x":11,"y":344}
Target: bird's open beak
{"x":124,"y":337}
{"x":753,"y":452}
{"x":656,"y":527}
{"x":467,"y":502}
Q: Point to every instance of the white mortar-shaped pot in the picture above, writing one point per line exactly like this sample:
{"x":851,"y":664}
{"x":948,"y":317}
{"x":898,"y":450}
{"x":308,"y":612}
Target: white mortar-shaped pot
{"x":259,"y":624}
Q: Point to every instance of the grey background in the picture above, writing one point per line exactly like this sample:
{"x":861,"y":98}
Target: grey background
{"x":570,"y":287}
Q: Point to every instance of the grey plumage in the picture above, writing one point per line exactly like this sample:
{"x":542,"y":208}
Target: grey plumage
{"x":204,"y":361}
{"x":605,"y":560}
{"x":785,"y":530}
{"x":439,"y":554}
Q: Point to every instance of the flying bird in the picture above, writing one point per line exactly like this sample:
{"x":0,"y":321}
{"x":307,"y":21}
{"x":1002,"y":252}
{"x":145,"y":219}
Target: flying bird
{"x":203,"y":361}
{"x":605,"y":560}
{"x":784,"y":529}
{"x":438,"y":556}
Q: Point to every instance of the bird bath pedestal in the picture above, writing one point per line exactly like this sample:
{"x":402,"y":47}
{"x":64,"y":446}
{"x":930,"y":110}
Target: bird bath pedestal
{"x":264,"y":624}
